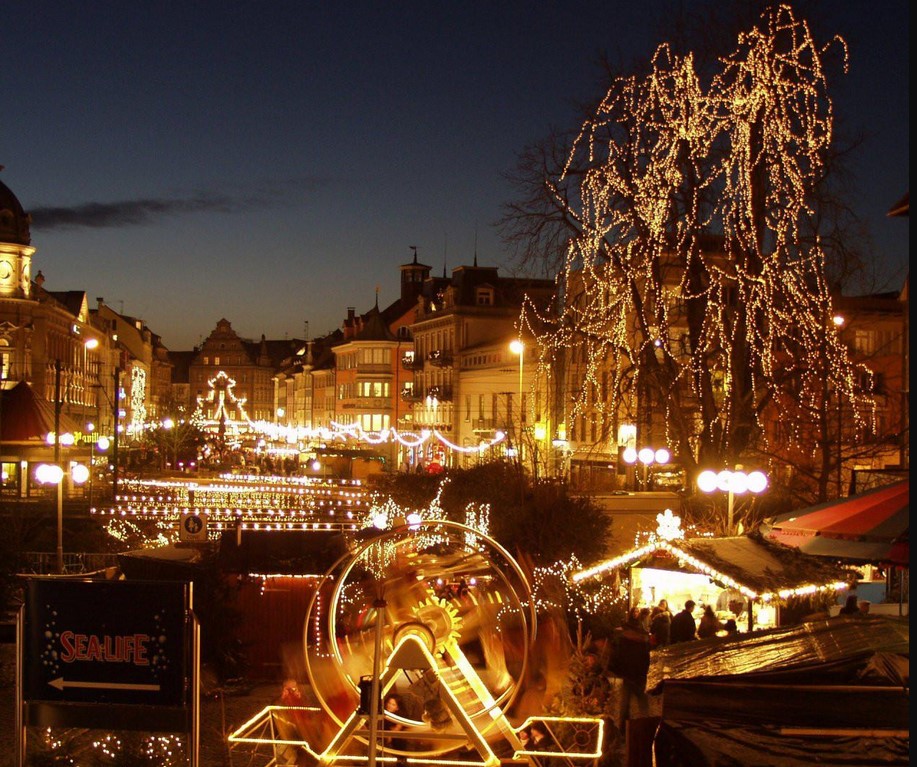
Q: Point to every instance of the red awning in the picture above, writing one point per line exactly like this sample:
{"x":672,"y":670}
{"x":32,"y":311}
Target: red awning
{"x":870,"y":527}
{"x":27,"y":417}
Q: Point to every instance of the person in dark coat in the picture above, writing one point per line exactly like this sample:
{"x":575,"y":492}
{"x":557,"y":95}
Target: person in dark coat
{"x":684,"y":628}
{"x":660,"y":624}
{"x":631,"y":664}
{"x":850,"y":606}
{"x":709,"y":624}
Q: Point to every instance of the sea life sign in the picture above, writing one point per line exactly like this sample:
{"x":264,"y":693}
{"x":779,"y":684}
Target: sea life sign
{"x":108,"y":642}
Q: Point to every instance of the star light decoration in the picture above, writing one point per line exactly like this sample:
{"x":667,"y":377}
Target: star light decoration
{"x":740,"y":333}
{"x":669,"y":526}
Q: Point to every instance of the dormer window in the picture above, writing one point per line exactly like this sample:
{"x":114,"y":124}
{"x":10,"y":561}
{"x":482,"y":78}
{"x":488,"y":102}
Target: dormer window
{"x":484,"y":296}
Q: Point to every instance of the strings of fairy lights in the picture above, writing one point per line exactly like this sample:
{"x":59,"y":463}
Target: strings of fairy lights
{"x":412,"y":439}
{"x":704,"y":568}
{"x":165,"y":750}
{"x":739,"y":333}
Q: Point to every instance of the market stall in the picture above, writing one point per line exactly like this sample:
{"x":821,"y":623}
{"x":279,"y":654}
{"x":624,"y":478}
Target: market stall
{"x":747,"y":578}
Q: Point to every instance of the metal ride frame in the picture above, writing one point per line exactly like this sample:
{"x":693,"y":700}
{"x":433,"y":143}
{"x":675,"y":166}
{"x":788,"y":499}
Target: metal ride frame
{"x":424,"y":637}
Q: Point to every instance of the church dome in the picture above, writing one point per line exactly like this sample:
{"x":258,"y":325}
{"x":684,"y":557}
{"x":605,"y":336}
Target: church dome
{"x":14,"y":221}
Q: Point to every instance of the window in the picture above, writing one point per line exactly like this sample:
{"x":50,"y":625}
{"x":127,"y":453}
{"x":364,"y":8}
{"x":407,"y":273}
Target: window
{"x":373,"y":388}
{"x":864,"y":342}
{"x":484,"y":296}
{"x":374,"y":422}
{"x":375,"y":356}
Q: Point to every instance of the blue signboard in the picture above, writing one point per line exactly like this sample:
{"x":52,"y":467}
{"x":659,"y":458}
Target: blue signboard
{"x":107,"y":642}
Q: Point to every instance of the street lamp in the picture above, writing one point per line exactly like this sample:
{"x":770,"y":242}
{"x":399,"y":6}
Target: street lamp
{"x":646,"y":456}
{"x":114,"y":444}
{"x":839,"y":320}
{"x":517,"y":347}
{"x":732,"y":483}
{"x":60,"y":489}
{"x":53,"y":474}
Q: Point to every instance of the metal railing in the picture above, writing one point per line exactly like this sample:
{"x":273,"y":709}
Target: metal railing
{"x":45,"y":562}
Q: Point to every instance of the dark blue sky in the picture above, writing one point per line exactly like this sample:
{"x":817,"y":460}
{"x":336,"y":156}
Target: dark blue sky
{"x":273,"y":162}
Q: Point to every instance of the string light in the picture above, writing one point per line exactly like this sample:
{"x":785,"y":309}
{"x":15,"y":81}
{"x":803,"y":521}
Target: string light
{"x":704,"y":568}
{"x":412,"y":439}
{"x":644,"y":305}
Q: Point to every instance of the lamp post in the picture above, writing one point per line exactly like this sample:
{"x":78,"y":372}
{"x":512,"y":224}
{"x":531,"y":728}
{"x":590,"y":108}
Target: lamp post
{"x":839,"y":321}
{"x":90,"y":428}
{"x":88,"y":345}
{"x":517,"y":347}
{"x":114,"y":443}
{"x":60,"y":482}
{"x":646,"y":456}
{"x":732,"y":483}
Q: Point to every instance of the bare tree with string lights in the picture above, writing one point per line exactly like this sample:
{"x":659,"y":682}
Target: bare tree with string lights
{"x":693,"y":298}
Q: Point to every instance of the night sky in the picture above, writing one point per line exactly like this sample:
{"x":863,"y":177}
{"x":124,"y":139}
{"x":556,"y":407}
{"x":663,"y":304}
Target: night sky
{"x":273,"y":162}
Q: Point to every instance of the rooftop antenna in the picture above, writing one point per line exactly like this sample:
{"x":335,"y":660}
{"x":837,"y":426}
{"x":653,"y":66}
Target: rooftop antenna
{"x":414,"y":248}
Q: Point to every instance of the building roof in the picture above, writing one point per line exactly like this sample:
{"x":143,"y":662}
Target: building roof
{"x":181,"y":366}
{"x":14,"y":221}
{"x":374,"y":328}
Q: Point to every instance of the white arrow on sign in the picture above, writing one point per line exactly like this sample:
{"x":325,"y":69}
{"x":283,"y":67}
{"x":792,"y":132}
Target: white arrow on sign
{"x":60,"y":683}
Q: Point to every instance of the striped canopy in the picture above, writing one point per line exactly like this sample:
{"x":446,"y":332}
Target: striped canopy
{"x":872,"y":526}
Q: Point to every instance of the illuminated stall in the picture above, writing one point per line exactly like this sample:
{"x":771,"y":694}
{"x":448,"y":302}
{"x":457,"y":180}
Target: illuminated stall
{"x":746,"y":578}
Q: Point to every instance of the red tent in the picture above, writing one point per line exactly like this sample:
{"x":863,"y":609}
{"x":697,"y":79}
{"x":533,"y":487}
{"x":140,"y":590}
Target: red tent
{"x":871,"y":526}
{"x":27,"y":417}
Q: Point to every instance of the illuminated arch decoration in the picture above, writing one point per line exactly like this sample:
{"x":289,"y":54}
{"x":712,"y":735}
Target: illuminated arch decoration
{"x":411,"y":439}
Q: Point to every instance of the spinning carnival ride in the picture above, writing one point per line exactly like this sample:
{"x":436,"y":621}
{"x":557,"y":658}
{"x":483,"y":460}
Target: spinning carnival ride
{"x":438,"y":617}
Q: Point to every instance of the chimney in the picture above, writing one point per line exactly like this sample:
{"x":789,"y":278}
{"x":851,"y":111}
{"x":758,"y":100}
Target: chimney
{"x":39,"y":279}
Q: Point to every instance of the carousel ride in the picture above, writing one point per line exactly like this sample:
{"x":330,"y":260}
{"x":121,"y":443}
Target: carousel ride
{"x":417,"y":645}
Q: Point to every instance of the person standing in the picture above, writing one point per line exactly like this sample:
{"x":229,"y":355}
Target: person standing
{"x":660,"y":624}
{"x":709,"y":624}
{"x":684,"y":628}
{"x":850,"y":606}
{"x":631,"y":664}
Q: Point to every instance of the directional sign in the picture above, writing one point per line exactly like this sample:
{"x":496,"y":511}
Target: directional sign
{"x":193,"y":527}
{"x":116,"y":642}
